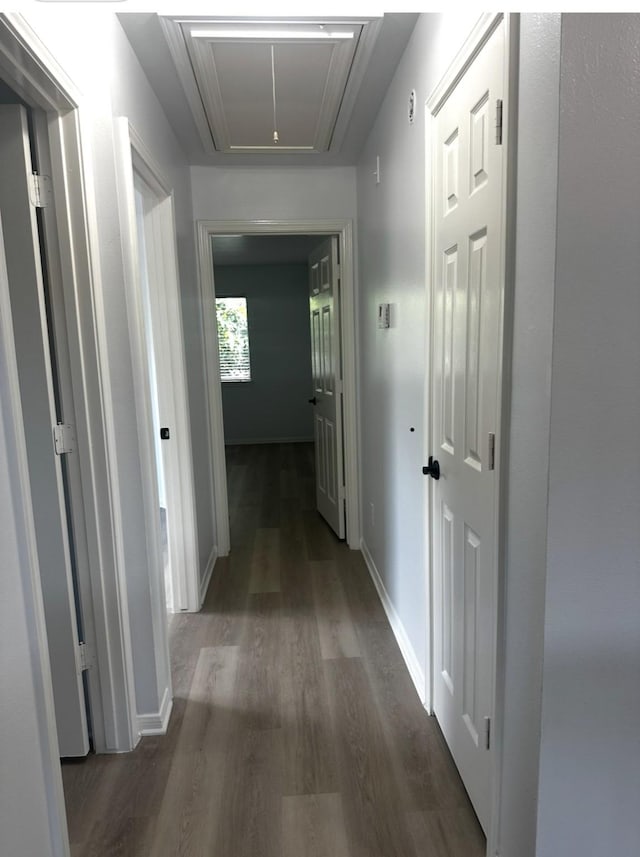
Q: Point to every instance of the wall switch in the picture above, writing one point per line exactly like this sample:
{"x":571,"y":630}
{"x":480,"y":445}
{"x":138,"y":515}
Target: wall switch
{"x":411,"y":112}
{"x":384,"y":316}
{"x":377,"y":169}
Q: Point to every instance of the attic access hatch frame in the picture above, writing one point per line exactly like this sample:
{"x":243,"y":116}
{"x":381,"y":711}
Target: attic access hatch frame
{"x":189,"y":40}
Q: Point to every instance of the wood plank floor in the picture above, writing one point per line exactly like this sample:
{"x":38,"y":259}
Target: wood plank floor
{"x":296,"y":730}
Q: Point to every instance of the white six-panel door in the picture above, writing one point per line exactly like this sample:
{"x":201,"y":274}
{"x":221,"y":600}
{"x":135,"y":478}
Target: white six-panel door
{"x":324,"y":309}
{"x":468,"y":250}
{"x":29,"y":313}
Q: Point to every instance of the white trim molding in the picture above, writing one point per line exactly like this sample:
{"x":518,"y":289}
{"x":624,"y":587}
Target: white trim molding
{"x":208,"y":573}
{"x":158,"y":722}
{"x":205,"y":231}
{"x":249,"y":441}
{"x":473,"y":44}
{"x":407,"y":651}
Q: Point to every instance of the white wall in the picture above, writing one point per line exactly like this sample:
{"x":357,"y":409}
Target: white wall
{"x":274,"y":405}
{"x":391,"y":240}
{"x":527,"y":412}
{"x":590,"y":753}
{"x":273,"y":193}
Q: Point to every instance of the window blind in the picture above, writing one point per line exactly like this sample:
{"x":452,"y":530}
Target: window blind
{"x":233,"y":339}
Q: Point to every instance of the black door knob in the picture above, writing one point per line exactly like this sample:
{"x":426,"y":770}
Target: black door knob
{"x":432,"y":469}
{"x":313,"y":401}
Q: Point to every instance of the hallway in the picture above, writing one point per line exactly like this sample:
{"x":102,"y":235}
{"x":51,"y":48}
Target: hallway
{"x":296,"y":729}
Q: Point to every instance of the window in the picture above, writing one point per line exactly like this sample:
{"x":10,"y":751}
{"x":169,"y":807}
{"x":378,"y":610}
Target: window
{"x":233,"y":339}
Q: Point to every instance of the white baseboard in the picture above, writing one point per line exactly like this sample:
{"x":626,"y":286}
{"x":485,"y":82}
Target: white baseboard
{"x":157,"y":723}
{"x":258,"y":440}
{"x":406,"y":649}
{"x":208,"y":573}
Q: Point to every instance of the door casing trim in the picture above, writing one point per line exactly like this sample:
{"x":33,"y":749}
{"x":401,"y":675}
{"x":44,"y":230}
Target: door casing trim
{"x":205,"y":231}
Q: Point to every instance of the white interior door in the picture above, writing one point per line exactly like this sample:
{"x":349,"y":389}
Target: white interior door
{"x":467,"y":306}
{"x":324,"y":308}
{"x":30,"y":323}
{"x":154,"y":354}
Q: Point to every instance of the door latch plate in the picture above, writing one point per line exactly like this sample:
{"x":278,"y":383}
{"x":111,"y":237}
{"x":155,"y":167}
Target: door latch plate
{"x":64,"y":439}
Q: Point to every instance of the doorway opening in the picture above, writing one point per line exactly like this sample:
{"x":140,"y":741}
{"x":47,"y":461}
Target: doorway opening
{"x":330,"y":360}
{"x":278,"y":322}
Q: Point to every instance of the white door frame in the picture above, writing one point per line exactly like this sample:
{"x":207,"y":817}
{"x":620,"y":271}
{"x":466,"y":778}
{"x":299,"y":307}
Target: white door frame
{"x":134,"y":158}
{"x":35,"y":75}
{"x":474,"y":43}
{"x":205,"y":231}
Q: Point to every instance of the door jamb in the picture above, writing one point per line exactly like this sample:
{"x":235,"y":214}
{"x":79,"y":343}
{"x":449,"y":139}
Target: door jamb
{"x":205,"y":231}
{"x":485,"y":26}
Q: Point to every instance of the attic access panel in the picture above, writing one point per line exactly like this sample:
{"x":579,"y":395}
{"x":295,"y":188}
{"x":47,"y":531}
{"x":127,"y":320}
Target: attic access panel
{"x":228,"y":70}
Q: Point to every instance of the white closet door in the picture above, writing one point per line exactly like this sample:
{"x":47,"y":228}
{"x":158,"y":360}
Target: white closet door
{"x":467,"y":306}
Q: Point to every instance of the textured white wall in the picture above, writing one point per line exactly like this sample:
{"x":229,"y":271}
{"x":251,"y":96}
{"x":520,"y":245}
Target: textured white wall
{"x":590,"y":752}
{"x":391,"y":241}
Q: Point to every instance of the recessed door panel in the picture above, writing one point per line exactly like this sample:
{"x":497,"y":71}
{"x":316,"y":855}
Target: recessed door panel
{"x":471,"y":649}
{"x":448,"y":590}
{"x":450,"y":280}
{"x":316,"y":352}
{"x":321,"y":456}
{"x":479,"y":129}
{"x":451,"y":171}
{"x":328,"y":378}
{"x":475,"y":290}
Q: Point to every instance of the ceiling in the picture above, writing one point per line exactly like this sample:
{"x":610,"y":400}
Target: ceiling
{"x":263,"y":249}
{"x":241,"y":92}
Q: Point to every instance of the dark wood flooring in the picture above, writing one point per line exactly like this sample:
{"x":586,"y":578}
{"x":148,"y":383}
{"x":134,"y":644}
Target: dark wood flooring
{"x":296,"y":730}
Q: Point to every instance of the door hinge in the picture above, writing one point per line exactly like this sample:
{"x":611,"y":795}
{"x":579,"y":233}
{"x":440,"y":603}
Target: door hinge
{"x":64,"y":439}
{"x":40,"y":191}
{"x":487,"y":733}
{"x":491,"y":454}
{"x":499,"y":121}
{"x":85,"y":657}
